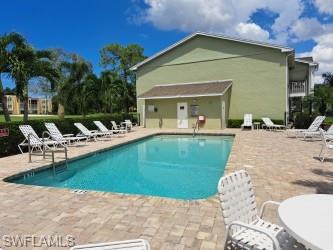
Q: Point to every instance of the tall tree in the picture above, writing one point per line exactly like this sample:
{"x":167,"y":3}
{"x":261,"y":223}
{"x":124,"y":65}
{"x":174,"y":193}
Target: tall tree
{"x":119,"y":59}
{"x":322,"y":99}
{"x":78,"y":73}
{"x":111,"y":91}
{"x":328,"y":78}
{"x":28,"y":65}
{"x":8,"y":43}
{"x":62,"y":62}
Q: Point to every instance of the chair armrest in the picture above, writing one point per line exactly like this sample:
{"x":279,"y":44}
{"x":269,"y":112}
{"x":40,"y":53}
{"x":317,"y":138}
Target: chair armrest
{"x":276,"y":245}
{"x":67,"y":135}
{"x":263,"y":206}
{"x":42,"y":141}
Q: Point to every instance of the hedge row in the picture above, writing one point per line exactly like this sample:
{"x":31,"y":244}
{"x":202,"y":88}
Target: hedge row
{"x":236,"y":123}
{"x":8,"y":145}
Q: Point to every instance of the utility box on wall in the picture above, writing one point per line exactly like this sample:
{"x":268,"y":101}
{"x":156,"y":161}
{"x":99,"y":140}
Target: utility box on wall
{"x":194,"y":110}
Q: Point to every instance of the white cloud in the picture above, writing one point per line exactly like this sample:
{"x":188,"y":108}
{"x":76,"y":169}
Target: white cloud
{"x":222,"y":16}
{"x":233,"y":18}
{"x":307,"y":28}
{"x":323,"y":54}
{"x":324,"y":6}
{"x":252,"y":31}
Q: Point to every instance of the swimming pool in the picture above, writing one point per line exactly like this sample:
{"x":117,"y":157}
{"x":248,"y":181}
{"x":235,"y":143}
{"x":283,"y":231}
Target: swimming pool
{"x":175,"y":166}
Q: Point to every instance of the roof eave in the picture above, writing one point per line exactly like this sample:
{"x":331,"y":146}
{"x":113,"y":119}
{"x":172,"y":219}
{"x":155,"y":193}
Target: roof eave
{"x":187,"y":96}
{"x":307,"y":62}
{"x":179,"y":96}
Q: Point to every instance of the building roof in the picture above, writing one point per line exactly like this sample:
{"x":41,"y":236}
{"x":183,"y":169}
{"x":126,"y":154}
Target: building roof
{"x":306,"y":58}
{"x":236,"y":39}
{"x":194,"y":89}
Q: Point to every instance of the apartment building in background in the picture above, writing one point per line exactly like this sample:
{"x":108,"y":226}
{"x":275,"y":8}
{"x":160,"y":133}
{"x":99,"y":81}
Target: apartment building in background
{"x":38,"y":106}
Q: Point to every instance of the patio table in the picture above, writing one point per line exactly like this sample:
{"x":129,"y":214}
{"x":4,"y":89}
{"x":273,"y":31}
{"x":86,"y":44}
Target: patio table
{"x":127,"y":125}
{"x":256,"y":125}
{"x":309,"y":219}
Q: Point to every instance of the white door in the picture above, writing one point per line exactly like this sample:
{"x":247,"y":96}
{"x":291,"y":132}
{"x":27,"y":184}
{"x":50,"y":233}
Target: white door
{"x":182,"y":116}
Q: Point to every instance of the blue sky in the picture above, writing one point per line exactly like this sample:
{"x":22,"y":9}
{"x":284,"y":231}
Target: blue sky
{"x":85,"y":26}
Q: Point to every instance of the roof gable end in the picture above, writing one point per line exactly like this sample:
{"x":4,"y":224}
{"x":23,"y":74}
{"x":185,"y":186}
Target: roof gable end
{"x":263,"y":44}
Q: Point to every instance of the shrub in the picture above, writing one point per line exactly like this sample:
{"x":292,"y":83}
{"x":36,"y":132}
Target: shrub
{"x":329,"y":120}
{"x":236,"y":123}
{"x":303,"y":120}
{"x":8,"y":145}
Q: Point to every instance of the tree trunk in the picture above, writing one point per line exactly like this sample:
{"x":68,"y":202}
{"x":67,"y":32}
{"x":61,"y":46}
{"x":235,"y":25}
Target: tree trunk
{"x":4,"y":103}
{"x":26,"y":103}
{"x":61,"y":111}
{"x":126,"y":105}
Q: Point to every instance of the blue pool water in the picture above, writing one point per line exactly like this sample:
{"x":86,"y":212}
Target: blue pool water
{"x":176,"y":166}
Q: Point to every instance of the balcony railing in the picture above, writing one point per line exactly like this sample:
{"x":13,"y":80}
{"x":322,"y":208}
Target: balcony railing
{"x":297,"y":88}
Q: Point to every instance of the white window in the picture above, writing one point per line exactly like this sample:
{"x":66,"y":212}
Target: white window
{"x":151,"y":108}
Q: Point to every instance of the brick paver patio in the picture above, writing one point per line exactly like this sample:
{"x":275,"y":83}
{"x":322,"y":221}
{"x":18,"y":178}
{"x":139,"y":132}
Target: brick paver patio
{"x":280,"y":168}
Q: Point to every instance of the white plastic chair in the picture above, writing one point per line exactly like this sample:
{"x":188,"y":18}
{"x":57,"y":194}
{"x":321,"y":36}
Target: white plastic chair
{"x":104,"y":129}
{"x":326,"y":145}
{"x":132,"y":123}
{"x":32,"y":140}
{"x":88,"y":133}
{"x":268,"y":124}
{"x":57,"y":135}
{"x":311,"y":131}
{"x":247,"y":121}
{"x":118,"y":128}
{"x":244,"y":228}
{"x":138,"y":244}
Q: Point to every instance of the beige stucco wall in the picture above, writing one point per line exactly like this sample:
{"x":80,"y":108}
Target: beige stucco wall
{"x":166,"y":115}
{"x":258,"y":73}
{"x":15,"y":105}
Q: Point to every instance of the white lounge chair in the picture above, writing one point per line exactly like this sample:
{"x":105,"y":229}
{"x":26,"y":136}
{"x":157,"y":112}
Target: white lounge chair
{"x":138,"y":244}
{"x":329,"y":132}
{"x":34,"y":142}
{"x":104,"y":129}
{"x":311,"y":131}
{"x":57,"y":135}
{"x":247,"y":121}
{"x":268,"y":124}
{"x":88,"y":133}
{"x":326,"y":145}
{"x":244,"y":228}
{"x":132,"y":123}
{"x":118,"y":128}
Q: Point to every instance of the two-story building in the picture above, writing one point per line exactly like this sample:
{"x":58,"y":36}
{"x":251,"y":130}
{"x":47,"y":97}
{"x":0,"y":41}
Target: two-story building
{"x":220,"y":78}
{"x":35,"y":105}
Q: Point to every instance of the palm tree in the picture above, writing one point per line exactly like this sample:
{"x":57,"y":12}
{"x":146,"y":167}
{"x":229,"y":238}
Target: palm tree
{"x":78,"y":75}
{"x":111,"y":90}
{"x":30,"y":64}
{"x":8,"y":43}
{"x":120,"y":59}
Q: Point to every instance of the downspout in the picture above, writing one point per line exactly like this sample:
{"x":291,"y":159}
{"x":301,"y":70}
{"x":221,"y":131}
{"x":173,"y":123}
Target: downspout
{"x":287,"y":90}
